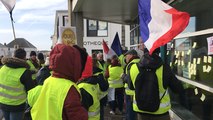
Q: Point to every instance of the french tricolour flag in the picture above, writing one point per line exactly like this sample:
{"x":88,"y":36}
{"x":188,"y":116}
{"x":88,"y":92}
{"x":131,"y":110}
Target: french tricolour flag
{"x":108,"y":53}
{"x":159,"y":23}
{"x":115,"y":48}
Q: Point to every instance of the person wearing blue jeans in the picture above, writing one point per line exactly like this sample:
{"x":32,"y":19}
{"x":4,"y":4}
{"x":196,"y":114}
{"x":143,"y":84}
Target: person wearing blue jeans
{"x":130,"y":114}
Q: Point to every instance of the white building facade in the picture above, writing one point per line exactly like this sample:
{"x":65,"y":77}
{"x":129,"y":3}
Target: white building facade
{"x":3,"y":50}
{"x":94,"y":32}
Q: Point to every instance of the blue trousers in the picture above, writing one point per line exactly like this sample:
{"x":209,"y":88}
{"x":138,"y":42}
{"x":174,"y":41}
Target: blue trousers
{"x":130,"y":114}
{"x":13,"y":115}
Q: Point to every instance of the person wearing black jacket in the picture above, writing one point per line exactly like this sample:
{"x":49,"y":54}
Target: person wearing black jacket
{"x":92,"y":78}
{"x":168,"y":81}
{"x":15,"y":81}
{"x":43,"y":73}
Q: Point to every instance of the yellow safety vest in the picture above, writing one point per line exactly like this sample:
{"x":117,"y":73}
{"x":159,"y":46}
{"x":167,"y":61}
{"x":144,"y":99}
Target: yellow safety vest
{"x":165,"y":104}
{"x":33,"y":94}
{"x":101,"y":93}
{"x":122,"y":60}
{"x":127,"y":90}
{"x":102,"y":67}
{"x":50,"y":102}
{"x":114,"y":77}
{"x":93,"y":90}
{"x":12,"y":91}
{"x":32,"y":67}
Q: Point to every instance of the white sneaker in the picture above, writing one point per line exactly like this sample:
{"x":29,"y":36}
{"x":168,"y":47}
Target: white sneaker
{"x":112,"y":112}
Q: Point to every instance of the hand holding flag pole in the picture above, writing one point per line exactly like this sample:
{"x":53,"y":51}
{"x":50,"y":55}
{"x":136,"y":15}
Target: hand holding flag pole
{"x":10,"y":4}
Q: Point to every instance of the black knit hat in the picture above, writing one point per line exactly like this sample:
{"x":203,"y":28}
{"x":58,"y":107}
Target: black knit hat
{"x":32,"y":53}
{"x":20,"y":53}
{"x":40,"y":56}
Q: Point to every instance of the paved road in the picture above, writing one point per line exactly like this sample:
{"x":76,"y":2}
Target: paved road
{"x":108,"y":116}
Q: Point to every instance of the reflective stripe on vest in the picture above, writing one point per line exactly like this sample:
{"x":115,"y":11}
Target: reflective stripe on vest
{"x":165,"y":101}
{"x":12,"y":91}
{"x":114,"y":77}
{"x":93,"y":90}
{"x":102,"y":94}
{"x":91,"y":114}
{"x":49,"y":105}
{"x":32,"y":67}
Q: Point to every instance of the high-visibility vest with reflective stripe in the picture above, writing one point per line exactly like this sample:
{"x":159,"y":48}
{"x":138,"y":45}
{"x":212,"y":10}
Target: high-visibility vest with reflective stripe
{"x":165,"y":104}
{"x":50,"y":102}
{"x":101,"y":93}
{"x":114,"y":77}
{"x":32,"y":95}
{"x":94,"y":109}
{"x":32,"y":67}
{"x":127,"y":90}
{"x":12,"y":91}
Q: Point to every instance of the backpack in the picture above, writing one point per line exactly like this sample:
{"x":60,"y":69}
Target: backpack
{"x":147,"y":89}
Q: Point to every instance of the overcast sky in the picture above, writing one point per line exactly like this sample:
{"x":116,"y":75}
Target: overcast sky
{"x":34,"y":21}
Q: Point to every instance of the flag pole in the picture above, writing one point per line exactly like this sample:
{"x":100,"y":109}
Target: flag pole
{"x":11,"y":18}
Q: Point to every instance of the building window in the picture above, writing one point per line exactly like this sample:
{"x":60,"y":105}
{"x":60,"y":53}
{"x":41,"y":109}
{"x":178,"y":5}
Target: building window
{"x":65,"y":21}
{"x":134,"y":35}
{"x":97,"y":28}
{"x":188,"y":56}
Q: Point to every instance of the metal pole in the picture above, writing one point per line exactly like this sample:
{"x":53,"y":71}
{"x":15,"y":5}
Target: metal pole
{"x":11,"y":18}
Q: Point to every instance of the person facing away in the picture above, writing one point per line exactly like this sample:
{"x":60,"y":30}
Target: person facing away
{"x":43,"y":73}
{"x":59,"y":98}
{"x":166,"y":79}
{"x":115,"y":96}
{"x":33,"y":63}
{"x":15,"y":82}
{"x":131,"y":57}
{"x":92,"y":85}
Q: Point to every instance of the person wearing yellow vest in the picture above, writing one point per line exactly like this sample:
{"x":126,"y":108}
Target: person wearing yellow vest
{"x":116,"y":86}
{"x":15,"y":81}
{"x":131,"y":57}
{"x":59,"y":97}
{"x":101,"y":63}
{"x":33,"y":63}
{"x":166,"y":79}
{"x":92,"y":84}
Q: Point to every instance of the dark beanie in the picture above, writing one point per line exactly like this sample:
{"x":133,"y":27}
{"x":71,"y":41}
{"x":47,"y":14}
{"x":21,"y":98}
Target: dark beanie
{"x":20,"y":53}
{"x":32,"y":53}
{"x":40,"y":56}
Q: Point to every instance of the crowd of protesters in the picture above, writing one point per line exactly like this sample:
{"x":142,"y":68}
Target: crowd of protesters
{"x":66,"y":84}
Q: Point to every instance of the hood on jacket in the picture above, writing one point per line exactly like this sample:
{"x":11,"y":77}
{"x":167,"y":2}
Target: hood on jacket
{"x":65,"y":62}
{"x":14,"y":62}
{"x":151,"y":61}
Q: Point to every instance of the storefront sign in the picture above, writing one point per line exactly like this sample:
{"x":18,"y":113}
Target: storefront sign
{"x":210,"y":45}
{"x":93,"y":43}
